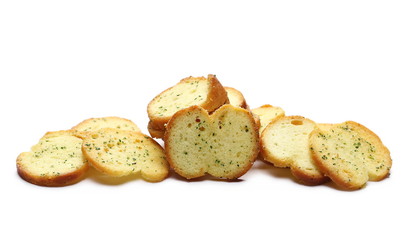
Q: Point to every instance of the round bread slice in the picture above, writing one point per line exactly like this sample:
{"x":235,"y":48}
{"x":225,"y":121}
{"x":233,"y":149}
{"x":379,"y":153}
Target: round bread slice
{"x":267,"y":113}
{"x":224,"y":144}
{"x":122,"y":153}
{"x":350,"y":154}
{"x":285,"y":143}
{"x":93,"y":124}
{"x":56,"y":160}
{"x":205,"y":92}
{"x":236,"y":98}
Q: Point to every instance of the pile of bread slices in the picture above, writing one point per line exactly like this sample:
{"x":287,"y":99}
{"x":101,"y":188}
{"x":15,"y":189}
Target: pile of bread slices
{"x":208,"y":129}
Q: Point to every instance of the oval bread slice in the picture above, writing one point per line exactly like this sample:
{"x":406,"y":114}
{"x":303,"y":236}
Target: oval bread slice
{"x":122,"y":153}
{"x":267,"y":113}
{"x":285,"y":143}
{"x":224,"y":144}
{"x":56,"y":160}
{"x":93,"y":124}
{"x":205,"y":92}
{"x":350,"y":154}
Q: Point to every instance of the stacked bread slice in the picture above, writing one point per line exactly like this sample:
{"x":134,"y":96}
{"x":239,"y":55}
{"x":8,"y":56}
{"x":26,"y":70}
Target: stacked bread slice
{"x":348,"y":153}
{"x":207,"y":128}
{"x":207,"y":93}
{"x":113,"y":145}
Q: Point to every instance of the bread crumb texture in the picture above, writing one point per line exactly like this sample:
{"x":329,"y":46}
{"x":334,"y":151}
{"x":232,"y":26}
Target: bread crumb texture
{"x":285,"y":143}
{"x":190,"y":91}
{"x":224,"y":144}
{"x":121,"y":153}
{"x":56,"y":160}
{"x":350,"y":154}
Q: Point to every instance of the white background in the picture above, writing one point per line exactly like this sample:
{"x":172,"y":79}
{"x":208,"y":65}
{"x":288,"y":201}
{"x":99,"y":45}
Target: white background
{"x":64,"y":61}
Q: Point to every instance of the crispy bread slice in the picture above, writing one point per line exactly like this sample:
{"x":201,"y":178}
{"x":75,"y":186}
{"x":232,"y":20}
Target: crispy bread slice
{"x":94,"y":124}
{"x":56,"y":160}
{"x":121,"y":153}
{"x":267,"y":113}
{"x":350,"y":154}
{"x":205,"y":92}
{"x":236,"y":98}
{"x":224,"y":144}
{"x":285,"y":143}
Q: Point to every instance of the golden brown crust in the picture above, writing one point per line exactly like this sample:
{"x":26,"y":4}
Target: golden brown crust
{"x":234,"y":91}
{"x":216,"y":97}
{"x":202,"y":171}
{"x":309,"y":179}
{"x":155,"y":133}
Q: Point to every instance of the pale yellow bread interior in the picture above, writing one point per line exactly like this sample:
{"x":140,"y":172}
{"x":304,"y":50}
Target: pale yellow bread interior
{"x":56,"y":160}
{"x":224,"y":144}
{"x":121,"y":153}
{"x":285,"y":143}
{"x":205,"y":92}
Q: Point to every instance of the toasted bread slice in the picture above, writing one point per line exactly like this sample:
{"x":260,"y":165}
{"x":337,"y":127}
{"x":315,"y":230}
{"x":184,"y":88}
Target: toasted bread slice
{"x":350,"y":154}
{"x":205,"y":92}
{"x":224,"y":144}
{"x":285,"y":143}
{"x":122,"y":153}
{"x":236,"y":98}
{"x":267,"y":113}
{"x":94,"y":124}
{"x":56,"y":160}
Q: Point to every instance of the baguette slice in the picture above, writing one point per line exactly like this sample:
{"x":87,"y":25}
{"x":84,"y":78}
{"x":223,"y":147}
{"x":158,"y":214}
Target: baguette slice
{"x":224,"y":144}
{"x":350,"y":154}
{"x":236,"y":98}
{"x":56,"y":160}
{"x":122,"y":153}
{"x":267,"y":113}
{"x":94,"y":124}
{"x":205,"y":92}
{"x":285,"y":143}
